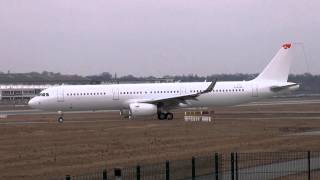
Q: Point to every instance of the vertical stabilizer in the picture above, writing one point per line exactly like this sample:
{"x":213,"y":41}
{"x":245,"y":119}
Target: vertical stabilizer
{"x":279,"y":67}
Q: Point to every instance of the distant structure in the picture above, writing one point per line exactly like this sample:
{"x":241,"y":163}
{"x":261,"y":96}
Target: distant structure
{"x":20,"y":88}
{"x":19,"y":94}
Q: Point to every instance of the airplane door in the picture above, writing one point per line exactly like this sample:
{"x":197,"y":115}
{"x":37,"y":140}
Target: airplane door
{"x":60,"y":94}
{"x":183,"y":91}
{"x":115,"y":93}
{"x":254,"y":90}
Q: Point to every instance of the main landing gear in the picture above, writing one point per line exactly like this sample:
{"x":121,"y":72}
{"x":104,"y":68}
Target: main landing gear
{"x":60,"y":118}
{"x":163,"y":116}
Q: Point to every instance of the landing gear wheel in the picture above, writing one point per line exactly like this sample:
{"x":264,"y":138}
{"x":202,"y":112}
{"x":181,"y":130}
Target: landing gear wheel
{"x":162,"y":116}
{"x":60,"y":120}
{"x":169,"y":116}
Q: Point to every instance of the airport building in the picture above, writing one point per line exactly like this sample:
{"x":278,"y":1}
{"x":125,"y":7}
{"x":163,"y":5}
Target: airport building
{"x":19,"y":94}
{"x":21,"y":87}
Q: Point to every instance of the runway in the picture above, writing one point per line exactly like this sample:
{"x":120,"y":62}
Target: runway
{"x":51,"y":122}
{"x":282,"y":102}
{"x":273,"y":102}
{"x":220,"y":115}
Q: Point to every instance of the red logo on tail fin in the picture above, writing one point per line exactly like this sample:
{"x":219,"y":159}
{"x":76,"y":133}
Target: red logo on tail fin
{"x":286,"y":46}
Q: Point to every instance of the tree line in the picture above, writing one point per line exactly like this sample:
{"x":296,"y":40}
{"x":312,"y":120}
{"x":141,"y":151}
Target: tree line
{"x":309,"y":83}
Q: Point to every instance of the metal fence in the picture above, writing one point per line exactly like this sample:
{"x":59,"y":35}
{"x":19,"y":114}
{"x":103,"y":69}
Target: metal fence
{"x":228,"y":166}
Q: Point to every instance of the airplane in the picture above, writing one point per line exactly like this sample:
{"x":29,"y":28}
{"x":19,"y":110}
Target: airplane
{"x":135,"y":100}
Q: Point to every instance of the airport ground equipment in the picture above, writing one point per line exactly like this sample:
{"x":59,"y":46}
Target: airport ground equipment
{"x":198,"y":116}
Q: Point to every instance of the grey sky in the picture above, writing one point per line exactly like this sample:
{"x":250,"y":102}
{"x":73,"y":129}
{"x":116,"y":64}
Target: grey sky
{"x":155,"y":37}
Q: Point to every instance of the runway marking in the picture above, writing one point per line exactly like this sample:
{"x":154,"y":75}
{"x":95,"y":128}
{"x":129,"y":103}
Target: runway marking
{"x":306,"y":133}
{"x":39,"y":112}
{"x":297,"y":102}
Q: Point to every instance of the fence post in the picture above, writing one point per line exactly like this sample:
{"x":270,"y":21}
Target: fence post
{"x":193,"y":168}
{"x":117,"y":173}
{"x":104,"y":174}
{"x":237,"y":170}
{"x":167,"y":170}
{"x":68,"y":177}
{"x":309,"y":165}
{"x":232,"y":166}
{"x":138,"y":172}
{"x":216,"y":165}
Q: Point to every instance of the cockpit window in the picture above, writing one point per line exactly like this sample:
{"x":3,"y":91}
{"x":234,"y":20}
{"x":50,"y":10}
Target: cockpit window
{"x":44,"y":94}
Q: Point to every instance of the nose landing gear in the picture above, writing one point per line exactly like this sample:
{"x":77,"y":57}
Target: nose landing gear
{"x":60,"y":118}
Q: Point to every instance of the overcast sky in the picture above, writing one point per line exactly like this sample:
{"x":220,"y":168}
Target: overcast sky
{"x":155,"y":37}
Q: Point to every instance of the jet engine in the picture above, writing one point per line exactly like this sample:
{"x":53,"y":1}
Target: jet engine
{"x":143,"y":109}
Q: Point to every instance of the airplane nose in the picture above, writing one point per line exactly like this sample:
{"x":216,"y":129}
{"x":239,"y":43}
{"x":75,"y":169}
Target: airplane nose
{"x":32,"y":103}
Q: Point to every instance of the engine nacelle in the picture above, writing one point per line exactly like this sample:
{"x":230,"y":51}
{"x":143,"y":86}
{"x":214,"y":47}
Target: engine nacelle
{"x":143,"y":109}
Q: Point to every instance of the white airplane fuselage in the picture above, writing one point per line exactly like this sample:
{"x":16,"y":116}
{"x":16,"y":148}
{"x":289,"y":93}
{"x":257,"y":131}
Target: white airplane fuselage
{"x":120,"y":96}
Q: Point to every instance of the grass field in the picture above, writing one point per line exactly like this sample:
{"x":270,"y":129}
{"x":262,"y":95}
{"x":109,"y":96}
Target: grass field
{"x":37,"y":147}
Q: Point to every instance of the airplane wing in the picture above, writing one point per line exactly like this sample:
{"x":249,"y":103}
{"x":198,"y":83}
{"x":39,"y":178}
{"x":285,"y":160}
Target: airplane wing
{"x":181,"y":98}
{"x":280,"y":88}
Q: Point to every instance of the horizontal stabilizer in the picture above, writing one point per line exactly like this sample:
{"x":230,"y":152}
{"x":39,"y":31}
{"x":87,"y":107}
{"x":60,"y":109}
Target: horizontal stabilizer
{"x":285,"y":87}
